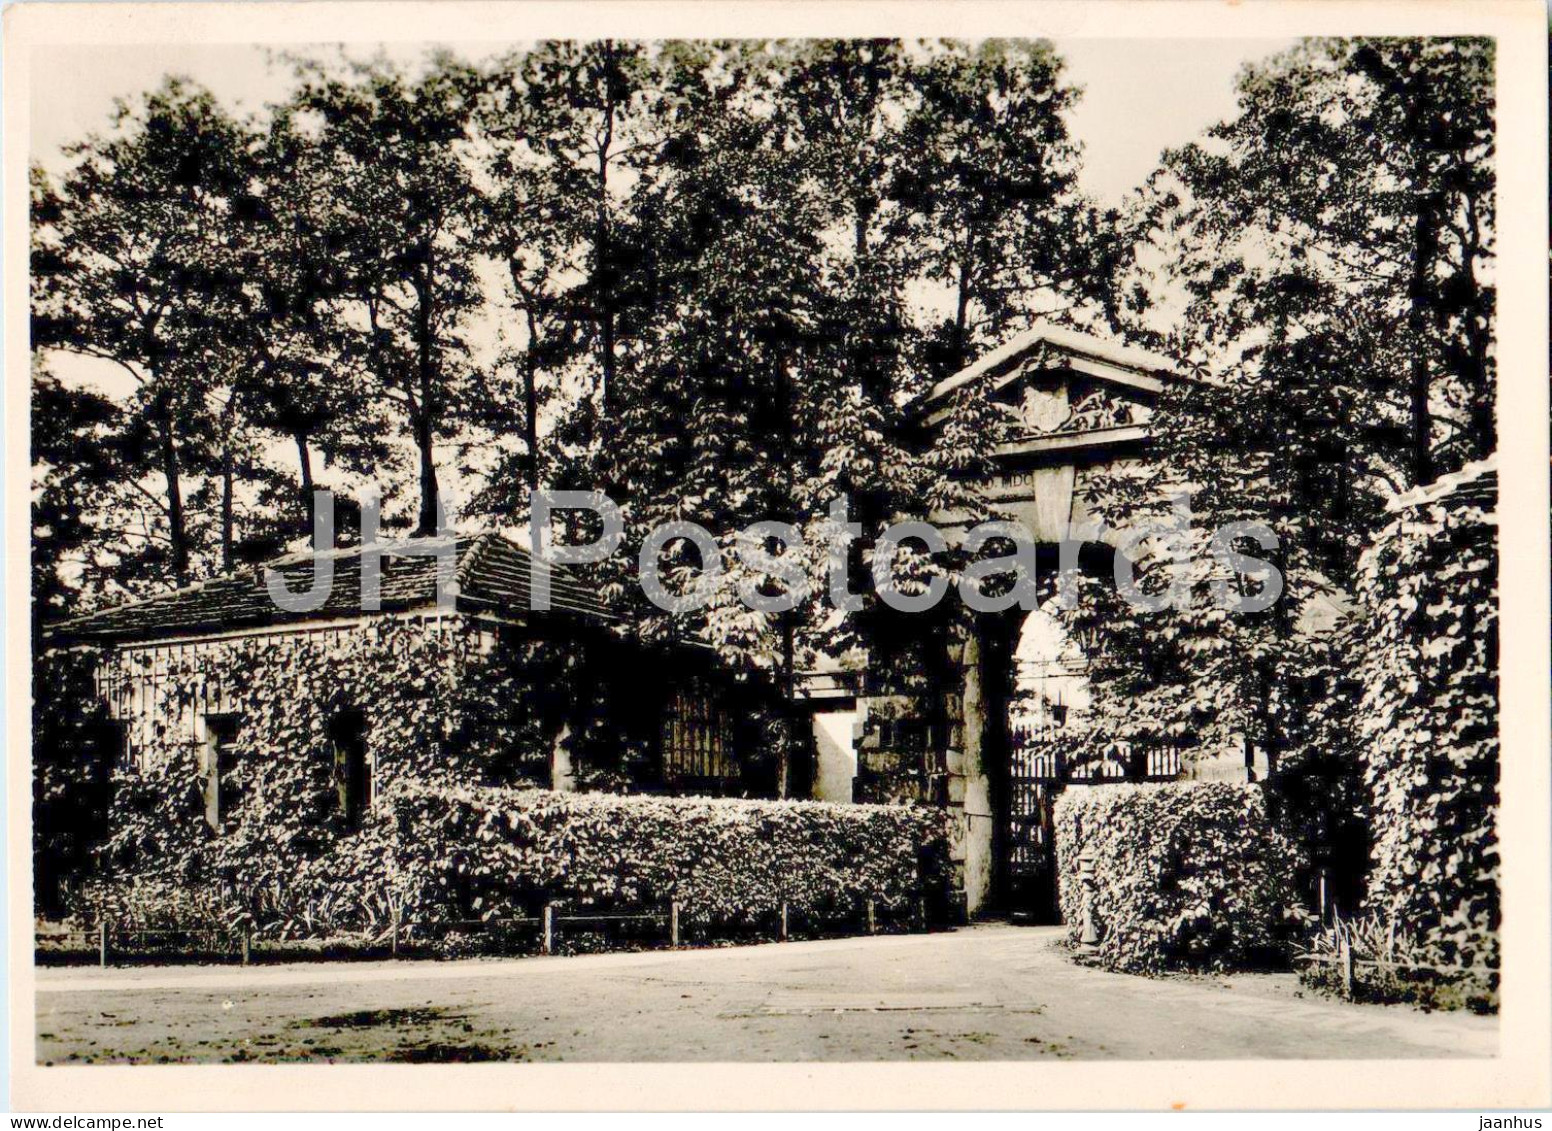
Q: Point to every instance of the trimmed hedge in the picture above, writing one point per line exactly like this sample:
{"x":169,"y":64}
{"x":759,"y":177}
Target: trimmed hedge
{"x":440,"y":854}
{"x":491,"y":852}
{"x":1189,"y":875}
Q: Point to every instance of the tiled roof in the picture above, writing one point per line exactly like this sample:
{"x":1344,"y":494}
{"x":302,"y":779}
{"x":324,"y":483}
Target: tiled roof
{"x":492,"y":574}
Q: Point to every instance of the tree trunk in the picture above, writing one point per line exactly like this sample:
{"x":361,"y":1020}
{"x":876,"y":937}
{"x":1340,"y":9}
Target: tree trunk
{"x":1484,"y":431}
{"x":177,"y":533}
{"x":961,"y":315}
{"x":1425,"y":251}
{"x":786,"y":413}
{"x":531,"y":406}
{"x":424,"y":440}
{"x":607,"y":383}
{"x":1484,"y":427}
{"x":228,"y":522}
{"x":871,"y":385}
{"x":425,"y":419}
{"x":603,"y":283}
{"x":304,"y":463}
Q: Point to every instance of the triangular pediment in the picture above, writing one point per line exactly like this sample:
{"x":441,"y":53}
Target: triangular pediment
{"x":1058,"y":380}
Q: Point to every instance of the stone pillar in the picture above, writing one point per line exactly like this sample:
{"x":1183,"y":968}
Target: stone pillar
{"x":1088,"y":934}
{"x":968,"y":790}
{"x":562,"y":775}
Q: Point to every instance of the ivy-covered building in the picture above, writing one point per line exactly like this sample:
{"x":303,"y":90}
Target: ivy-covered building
{"x":220,"y":706}
{"x":220,"y":711}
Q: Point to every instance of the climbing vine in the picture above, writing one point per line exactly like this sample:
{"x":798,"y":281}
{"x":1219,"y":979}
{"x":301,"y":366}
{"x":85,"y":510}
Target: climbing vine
{"x":441,"y":700}
{"x":1429,"y":725}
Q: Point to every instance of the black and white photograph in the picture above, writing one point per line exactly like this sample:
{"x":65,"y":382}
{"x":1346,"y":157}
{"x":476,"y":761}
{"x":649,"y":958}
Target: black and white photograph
{"x":685,"y":545}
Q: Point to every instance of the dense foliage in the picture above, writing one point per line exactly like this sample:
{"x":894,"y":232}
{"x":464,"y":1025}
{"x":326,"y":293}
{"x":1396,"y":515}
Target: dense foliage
{"x":717,"y":272}
{"x":1429,"y":721}
{"x":1282,"y":259}
{"x":447,"y":853}
{"x":709,"y":249}
{"x":72,"y":774}
{"x":1193,"y":876}
{"x":1321,"y":261}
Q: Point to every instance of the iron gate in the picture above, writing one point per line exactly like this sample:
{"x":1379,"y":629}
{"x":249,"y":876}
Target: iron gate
{"x":1039,"y":771}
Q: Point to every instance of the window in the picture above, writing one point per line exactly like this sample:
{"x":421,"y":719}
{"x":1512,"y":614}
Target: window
{"x":352,"y":766}
{"x":697,"y":742}
{"x":223,"y":787}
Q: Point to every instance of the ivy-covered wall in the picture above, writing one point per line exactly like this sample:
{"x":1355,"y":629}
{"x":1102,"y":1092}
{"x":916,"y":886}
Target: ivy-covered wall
{"x":439,"y":698}
{"x":461,"y":720}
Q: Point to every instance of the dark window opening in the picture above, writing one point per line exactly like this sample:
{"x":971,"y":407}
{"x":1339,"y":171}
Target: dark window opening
{"x":908,"y":735}
{"x":352,"y":766}
{"x":110,"y":748}
{"x":223,"y":785}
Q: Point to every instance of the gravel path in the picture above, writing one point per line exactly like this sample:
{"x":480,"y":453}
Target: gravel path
{"x":986,"y":993}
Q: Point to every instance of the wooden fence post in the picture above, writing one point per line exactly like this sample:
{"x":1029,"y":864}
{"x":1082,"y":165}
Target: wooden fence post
{"x":247,"y":936}
{"x":548,"y":945}
{"x":872,"y":919}
{"x":102,"y":942}
{"x":393,"y":937}
{"x":1347,"y":968}
{"x":673,"y":923}
{"x":783,"y":920}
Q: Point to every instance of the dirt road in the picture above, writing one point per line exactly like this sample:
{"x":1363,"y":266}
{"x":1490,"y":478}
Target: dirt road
{"x":988,"y":993}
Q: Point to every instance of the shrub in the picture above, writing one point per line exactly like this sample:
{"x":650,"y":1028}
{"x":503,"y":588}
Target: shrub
{"x":1190,"y":876}
{"x":1390,"y":964}
{"x":157,"y":904}
{"x":443,"y":854}
{"x":1427,"y":649}
{"x":504,"y":851}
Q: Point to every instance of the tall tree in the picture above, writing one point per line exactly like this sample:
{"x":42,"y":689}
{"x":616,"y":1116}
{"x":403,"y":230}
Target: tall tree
{"x":1333,"y":244}
{"x":390,"y":158}
{"x":845,"y":102}
{"x":301,"y":383}
{"x":990,"y":190}
{"x":540,"y":229}
{"x":132,"y":264}
{"x":76,"y":468}
{"x":1351,"y":199}
{"x":736,"y":232}
{"x":576,"y":129}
